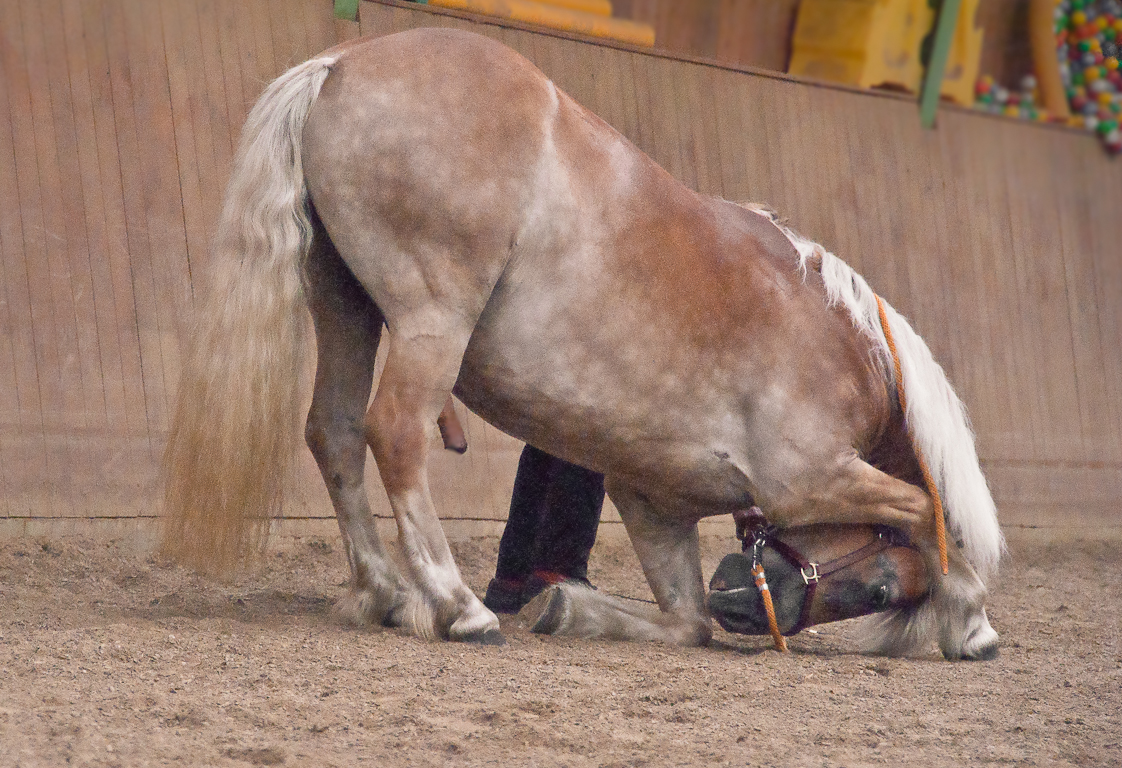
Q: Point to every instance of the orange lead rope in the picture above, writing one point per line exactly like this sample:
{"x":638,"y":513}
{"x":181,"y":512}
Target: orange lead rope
{"x":765,"y":593}
{"x":929,"y":481}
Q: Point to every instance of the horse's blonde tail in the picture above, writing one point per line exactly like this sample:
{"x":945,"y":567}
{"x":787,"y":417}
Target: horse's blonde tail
{"x":936,"y":418}
{"x":235,"y":432}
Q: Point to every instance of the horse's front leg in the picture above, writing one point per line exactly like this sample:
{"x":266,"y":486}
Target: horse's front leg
{"x":669,"y":552}
{"x":420,"y":371}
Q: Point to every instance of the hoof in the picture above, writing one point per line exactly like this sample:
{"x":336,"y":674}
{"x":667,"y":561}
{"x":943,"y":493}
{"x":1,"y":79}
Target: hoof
{"x":981,"y":645}
{"x":987,"y":652}
{"x":549,"y":608}
{"x":486,"y":637}
{"x":394,"y":617}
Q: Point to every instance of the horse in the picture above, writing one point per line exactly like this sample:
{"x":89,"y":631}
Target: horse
{"x":523,"y":255}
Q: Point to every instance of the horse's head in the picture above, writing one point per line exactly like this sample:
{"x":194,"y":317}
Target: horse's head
{"x":816,"y":574}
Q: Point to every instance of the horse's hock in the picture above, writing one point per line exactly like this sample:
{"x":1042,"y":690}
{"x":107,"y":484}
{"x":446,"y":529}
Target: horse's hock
{"x":997,"y":239}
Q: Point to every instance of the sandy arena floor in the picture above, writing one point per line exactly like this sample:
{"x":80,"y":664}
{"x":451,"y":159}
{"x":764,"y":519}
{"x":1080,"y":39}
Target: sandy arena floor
{"x":111,"y":658}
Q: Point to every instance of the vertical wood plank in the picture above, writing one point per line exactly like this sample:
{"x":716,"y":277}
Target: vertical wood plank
{"x":124,"y":459}
{"x":135,"y":285}
{"x":191,"y":146}
{"x":1102,"y":182}
{"x":165,"y":205}
{"x":58,"y":377}
{"x":95,"y":470}
{"x":101,"y":325}
{"x":996,"y":271}
{"x":66,"y":68}
{"x":970,"y":304}
{"x":16,"y":337}
{"x":280,"y":29}
{"x":234,"y":59}
{"x":116,"y":244}
{"x":211,"y":120}
{"x":1075,"y":228}
{"x":319,"y":22}
{"x":1042,"y":292}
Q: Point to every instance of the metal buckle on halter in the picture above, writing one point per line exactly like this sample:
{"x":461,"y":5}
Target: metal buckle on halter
{"x":758,"y":545}
{"x":812,"y":576}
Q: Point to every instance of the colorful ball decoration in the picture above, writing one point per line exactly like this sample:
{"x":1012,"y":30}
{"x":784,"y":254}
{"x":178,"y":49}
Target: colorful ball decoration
{"x":993,"y":97}
{"x":1089,"y":47}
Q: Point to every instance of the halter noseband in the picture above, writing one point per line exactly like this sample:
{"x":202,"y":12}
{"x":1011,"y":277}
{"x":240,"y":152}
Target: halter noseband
{"x":756,"y":534}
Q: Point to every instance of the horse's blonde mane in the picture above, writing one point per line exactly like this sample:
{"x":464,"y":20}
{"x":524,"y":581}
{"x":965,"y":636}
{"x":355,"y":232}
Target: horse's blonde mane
{"x":935,"y":417}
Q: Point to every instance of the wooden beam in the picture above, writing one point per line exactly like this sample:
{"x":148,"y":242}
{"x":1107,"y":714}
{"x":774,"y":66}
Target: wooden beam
{"x":937,"y":63}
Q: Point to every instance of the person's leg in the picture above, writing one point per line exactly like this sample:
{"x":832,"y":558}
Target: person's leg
{"x":517,"y":546}
{"x":569,"y":521}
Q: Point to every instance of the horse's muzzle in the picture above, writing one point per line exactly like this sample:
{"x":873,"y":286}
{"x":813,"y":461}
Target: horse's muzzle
{"x":736,"y":604}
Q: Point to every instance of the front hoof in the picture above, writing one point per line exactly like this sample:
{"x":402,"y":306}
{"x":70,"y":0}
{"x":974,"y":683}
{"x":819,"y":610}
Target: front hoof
{"x":546,"y":612}
{"x":986,"y":651}
{"x":486,"y":637}
{"x":981,"y":645}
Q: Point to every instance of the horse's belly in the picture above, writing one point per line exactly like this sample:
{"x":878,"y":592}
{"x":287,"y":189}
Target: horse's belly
{"x":571,"y":393}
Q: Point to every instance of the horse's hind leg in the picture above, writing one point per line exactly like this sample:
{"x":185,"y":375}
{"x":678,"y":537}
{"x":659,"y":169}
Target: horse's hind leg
{"x":426,"y":349}
{"x":348,"y":326}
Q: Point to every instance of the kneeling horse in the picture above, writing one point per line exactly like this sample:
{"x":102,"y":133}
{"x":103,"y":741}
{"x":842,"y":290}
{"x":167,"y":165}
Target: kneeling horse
{"x":522,"y":254}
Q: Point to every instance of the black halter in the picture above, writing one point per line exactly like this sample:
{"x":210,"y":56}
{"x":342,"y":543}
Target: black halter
{"x":755,"y":533}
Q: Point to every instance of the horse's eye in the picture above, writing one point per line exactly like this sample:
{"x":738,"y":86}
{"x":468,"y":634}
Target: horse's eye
{"x":880,"y":597}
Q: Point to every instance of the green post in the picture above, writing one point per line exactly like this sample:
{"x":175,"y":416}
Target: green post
{"x":937,"y":64}
{"x":346,"y":10}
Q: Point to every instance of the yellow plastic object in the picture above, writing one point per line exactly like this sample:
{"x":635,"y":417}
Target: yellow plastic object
{"x":556,"y":17}
{"x":876,"y":43}
{"x":1044,"y":59}
{"x":598,"y":7}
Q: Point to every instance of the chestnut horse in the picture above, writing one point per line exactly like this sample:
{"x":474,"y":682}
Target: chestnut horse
{"x":524,"y":255}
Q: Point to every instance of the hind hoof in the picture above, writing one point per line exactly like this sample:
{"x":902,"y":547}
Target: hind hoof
{"x":486,"y":637}
{"x":549,"y":609}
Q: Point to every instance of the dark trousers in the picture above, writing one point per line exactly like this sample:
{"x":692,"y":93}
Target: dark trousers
{"x":554,"y":513}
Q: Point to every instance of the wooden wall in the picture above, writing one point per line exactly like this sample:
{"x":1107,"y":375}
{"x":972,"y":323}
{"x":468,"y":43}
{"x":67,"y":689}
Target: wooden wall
{"x":757,"y":33}
{"x":750,"y":32}
{"x":117,"y":124}
{"x":1000,"y":240}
